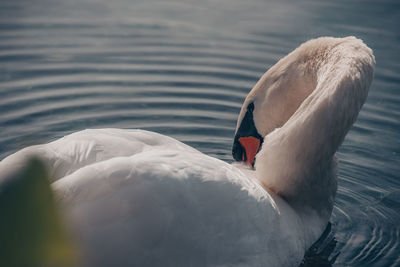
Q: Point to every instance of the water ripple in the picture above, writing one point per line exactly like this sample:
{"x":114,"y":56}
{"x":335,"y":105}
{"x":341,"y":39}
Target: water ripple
{"x":60,"y":73}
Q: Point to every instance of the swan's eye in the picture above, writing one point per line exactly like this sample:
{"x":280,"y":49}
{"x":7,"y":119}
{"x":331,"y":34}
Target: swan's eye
{"x":250,"y":107}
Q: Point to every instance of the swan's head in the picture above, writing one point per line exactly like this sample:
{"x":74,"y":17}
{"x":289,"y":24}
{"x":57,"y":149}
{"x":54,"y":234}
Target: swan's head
{"x":320,"y":87}
{"x":269,"y":105}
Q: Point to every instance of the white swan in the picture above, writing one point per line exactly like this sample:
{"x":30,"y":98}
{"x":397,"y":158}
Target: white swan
{"x":137,"y":198}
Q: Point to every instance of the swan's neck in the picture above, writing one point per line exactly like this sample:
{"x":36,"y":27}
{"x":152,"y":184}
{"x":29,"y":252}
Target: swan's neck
{"x":297,"y":160}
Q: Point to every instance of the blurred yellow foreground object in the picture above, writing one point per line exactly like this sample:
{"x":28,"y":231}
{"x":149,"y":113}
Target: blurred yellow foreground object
{"x":31,"y":230}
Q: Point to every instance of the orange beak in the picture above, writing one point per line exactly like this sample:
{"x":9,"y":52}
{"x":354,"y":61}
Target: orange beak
{"x":250,"y":145}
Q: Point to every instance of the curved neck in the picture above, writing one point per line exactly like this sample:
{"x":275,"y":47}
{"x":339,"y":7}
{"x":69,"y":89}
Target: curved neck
{"x":297,"y":160}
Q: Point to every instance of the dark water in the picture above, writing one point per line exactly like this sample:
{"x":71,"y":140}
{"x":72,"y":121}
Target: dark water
{"x":183,"y":68}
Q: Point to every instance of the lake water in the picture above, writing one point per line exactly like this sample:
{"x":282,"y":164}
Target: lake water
{"x":183,"y":68}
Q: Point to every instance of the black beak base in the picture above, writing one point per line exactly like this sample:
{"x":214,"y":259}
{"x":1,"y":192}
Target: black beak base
{"x":238,"y":151}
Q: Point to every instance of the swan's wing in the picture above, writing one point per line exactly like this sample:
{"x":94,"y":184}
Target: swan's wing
{"x":175,"y":208}
{"x":66,"y":155}
{"x":135,"y":198}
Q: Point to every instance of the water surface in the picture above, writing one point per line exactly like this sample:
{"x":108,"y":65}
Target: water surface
{"x":183,"y":68}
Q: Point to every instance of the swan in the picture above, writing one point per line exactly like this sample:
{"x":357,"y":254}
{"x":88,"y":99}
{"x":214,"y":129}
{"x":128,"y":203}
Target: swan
{"x":139,"y":198}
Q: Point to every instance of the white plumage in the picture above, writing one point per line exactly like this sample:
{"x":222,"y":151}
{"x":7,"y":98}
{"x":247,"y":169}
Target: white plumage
{"x":137,"y":198}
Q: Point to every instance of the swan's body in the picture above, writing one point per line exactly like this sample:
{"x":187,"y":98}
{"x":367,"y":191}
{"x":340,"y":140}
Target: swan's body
{"x":138,"y":198}
{"x":165,"y":202}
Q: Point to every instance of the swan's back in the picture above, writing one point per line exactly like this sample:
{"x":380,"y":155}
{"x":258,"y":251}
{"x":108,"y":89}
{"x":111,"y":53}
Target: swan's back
{"x":72,"y":152}
{"x":137,"y":198}
{"x":175,"y":207}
